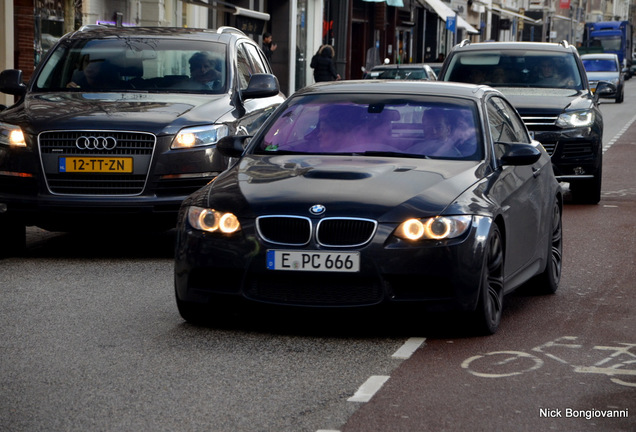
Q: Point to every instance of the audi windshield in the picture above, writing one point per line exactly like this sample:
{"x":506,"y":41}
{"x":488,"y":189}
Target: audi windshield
{"x":131,"y":64}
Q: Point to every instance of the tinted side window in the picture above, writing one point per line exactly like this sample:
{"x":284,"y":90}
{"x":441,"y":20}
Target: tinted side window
{"x":258,"y":65}
{"x":244,"y":67}
{"x":505,"y":125}
{"x":249,"y":62}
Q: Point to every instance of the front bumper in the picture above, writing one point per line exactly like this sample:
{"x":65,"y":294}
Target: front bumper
{"x":439,"y":275}
{"x":575,"y":153}
{"x":34,"y":191}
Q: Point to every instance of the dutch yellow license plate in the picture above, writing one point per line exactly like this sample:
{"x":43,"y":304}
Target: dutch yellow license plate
{"x":96,"y":164}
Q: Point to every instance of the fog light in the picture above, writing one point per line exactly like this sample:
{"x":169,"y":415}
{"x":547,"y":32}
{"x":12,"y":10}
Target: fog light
{"x":579,"y":171}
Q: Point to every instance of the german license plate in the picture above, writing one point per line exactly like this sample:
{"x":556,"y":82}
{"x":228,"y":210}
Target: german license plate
{"x":96,"y":164}
{"x":313,"y":261}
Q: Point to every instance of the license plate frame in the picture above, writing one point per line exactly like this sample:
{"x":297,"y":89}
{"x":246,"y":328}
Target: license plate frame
{"x":95,"y":164}
{"x":311,"y":260}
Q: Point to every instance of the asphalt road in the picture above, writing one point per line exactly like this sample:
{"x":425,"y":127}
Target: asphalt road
{"x":90,"y":340}
{"x":564,"y":362}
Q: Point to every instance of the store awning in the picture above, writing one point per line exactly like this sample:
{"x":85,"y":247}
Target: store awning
{"x":396,"y":3}
{"x":499,"y":11}
{"x":444,"y":11}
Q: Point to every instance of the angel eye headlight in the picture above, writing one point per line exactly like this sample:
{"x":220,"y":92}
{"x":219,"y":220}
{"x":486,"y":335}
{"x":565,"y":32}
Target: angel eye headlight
{"x":228,"y":223}
{"x":435,"y":228}
{"x":199,"y":136}
{"x":583,"y":118}
{"x":211,"y":220}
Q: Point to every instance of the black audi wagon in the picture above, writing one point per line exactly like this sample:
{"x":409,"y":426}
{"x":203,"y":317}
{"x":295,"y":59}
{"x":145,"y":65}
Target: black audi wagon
{"x":118,"y":125}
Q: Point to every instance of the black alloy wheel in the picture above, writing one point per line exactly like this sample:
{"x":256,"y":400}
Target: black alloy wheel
{"x":487,"y":316}
{"x":548,"y":281}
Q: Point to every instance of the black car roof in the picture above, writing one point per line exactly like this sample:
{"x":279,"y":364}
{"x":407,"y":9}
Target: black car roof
{"x":440,"y":88}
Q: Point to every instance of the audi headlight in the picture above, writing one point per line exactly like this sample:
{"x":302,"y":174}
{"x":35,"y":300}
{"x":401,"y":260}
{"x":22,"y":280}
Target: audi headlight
{"x":199,"y":136}
{"x":11,"y":135}
{"x":213,"y":221}
{"x":582,"y":118}
{"x":435,"y":228}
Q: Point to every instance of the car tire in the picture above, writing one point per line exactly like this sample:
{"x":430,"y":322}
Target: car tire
{"x":620,"y":96}
{"x":12,"y":238}
{"x":194,"y":313}
{"x":487,"y":316}
{"x":588,"y":191}
{"x":547,"y":282}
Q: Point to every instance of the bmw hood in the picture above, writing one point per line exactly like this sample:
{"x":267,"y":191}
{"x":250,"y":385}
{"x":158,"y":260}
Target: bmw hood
{"x":379,"y":188}
{"x":149,"y":112}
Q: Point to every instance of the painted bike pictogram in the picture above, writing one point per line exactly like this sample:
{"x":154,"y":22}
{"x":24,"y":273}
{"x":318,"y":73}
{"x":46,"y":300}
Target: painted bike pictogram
{"x":619,"y":365}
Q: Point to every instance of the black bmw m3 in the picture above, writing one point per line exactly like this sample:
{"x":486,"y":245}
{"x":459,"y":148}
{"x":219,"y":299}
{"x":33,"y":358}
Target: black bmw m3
{"x":362,"y":193}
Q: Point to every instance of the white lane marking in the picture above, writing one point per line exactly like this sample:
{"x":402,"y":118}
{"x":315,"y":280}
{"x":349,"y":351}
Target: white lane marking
{"x":619,"y":134}
{"x":369,"y":388}
{"x":409,"y":347}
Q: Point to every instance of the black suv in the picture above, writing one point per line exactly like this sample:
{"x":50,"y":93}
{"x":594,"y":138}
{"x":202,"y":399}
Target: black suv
{"x":118,"y":125}
{"x":547,"y":84}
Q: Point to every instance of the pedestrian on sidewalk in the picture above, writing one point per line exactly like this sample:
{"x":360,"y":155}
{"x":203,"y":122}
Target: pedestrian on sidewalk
{"x":322,"y":63}
{"x":268,"y":46}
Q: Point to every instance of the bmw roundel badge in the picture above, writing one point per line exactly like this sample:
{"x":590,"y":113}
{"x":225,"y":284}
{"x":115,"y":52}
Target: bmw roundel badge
{"x":317,"y":209}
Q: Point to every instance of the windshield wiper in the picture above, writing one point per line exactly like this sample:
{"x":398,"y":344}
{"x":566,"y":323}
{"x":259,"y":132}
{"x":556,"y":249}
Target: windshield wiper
{"x":390,"y":154}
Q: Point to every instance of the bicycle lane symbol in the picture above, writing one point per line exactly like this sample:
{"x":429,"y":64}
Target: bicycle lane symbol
{"x":619,"y":365}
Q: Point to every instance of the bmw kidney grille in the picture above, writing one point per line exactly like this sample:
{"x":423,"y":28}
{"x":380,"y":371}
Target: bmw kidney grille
{"x":329,"y":232}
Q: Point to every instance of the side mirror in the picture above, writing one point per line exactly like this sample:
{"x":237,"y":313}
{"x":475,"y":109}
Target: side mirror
{"x":604,"y":89}
{"x":232,"y":146}
{"x":261,"y":86}
{"x":516,"y":154}
{"x":11,"y":82}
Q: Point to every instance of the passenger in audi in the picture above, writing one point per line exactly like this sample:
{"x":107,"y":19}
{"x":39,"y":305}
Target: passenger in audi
{"x":93,"y":74}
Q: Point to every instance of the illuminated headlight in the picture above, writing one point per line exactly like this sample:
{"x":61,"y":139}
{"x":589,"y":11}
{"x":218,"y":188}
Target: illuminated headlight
{"x":436,"y":228}
{"x":199,"y":136}
{"x":11,"y":135}
{"x":213,"y":221}
{"x":576,"y":119}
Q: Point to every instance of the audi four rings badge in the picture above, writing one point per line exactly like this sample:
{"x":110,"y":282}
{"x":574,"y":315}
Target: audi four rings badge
{"x":95,"y":143}
{"x":317,"y":209}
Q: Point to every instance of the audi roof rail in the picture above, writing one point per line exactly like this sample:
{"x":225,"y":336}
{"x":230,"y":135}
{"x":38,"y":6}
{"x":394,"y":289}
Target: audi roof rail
{"x":464,"y":43}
